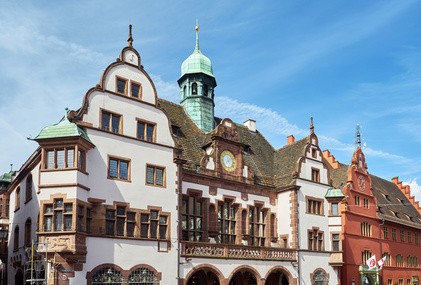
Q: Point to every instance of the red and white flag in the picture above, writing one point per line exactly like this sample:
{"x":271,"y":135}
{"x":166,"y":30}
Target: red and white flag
{"x":381,"y":262}
{"x":371,"y":262}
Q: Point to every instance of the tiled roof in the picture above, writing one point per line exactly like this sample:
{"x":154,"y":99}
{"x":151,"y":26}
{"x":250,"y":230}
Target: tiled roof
{"x":267,"y":164}
{"x":63,"y":129}
{"x":392,"y":203}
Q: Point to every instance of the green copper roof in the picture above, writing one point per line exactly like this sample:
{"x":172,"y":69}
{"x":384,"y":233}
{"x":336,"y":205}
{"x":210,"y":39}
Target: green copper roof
{"x":7,"y":177}
{"x":197,"y":62}
{"x":64,"y":129}
{"x":334,"y":193}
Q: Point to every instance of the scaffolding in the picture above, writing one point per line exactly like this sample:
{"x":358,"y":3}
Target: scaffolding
{"x":36,"y":267}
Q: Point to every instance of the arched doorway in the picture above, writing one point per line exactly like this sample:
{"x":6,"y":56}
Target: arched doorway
{"x":243,"y":277}
{"x":277,"y":277}
{"x":203,"y":277}
{"x":19,"y":277}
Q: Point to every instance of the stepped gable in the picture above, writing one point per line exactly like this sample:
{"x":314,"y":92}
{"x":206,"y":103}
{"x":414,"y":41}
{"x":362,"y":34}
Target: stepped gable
{"x":286,"y":161}
{"x":393,"y":204}
{"x":258,"y":153}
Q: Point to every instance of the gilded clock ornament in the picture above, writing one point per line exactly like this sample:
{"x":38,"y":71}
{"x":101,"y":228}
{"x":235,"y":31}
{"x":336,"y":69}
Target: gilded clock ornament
{"x":228,"y":160}
{"x":361,"y":183}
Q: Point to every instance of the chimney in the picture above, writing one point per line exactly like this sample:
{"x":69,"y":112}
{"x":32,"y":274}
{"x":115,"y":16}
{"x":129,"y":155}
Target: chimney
{"x":290,"y":139}
{"x":251,"y":125}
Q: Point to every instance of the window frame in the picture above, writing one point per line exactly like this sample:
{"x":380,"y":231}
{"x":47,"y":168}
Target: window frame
{"x":154,"y":182}
{"x":226,"y":222}
{"x":79,"y":158}
{"x":315,"y":239}
{"x":257,"y":215}
{"x":315,"y":174}
{"x":314,"y":206}
{"x":192,"y":210}
{"x":59,"y":212}
{"x":111,"y":115}
{"x":139,"y":93}
{"x":28,"y":188}
{"x":119,"y":160}
{"x":145,"y":136}
{"x":125,"y":80}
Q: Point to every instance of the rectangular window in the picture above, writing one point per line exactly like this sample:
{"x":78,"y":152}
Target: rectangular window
{"x":80,"y":218}
{"x":314,"y":206}
{"x":336,"y":242}
{"x":118,"y":168}
{"x":136,"y":89}
{"x":365,"y":205}
{"x":155,"y":175}
{"x":110,"y":122}
{"x":58,"y":216}
{"x":334,"y":209}
{"x":399,"y":260}
{"x":409,"y":237}
{"x":109,"y":222}
{"x":394,"y":234}
{"x":315,"y":240}
{"x":131,"y":224}
{"x":154,"y":225}
{"x":257,"y":226}
{"x":226,"y":223}
{"x":365,"y":255}
{"x":357,"y":200}
{"x":191,"y":218}
{"x":385,"y":232}
{"x":61,"y":158}
{"x":146,"y":131}
{"x":315,"y":175}
{"x":402,"y":233}
{"x":365,"y":229}
{"x":121,"y":85}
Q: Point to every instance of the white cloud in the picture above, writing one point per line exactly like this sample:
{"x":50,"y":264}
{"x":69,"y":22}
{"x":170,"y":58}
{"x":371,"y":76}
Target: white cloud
{"x":415,"y":188}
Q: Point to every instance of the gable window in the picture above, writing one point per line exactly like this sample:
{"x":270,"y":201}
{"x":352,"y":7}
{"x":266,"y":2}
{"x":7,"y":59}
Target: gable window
{"x":191,"y":218}
{"x":155,"y":175}
{"x":17,"y":198}
{"x":28,"y":186}
{"x":365,"y":205}
{"x":110,"y":122}
{"x":226,"y":222}
{"x":121,"y":85}
{"x":146,"y":131}
{"x":257,"y":226}
{"x":314,"y":152}
{"x":136,"y":89}
{"x":118,"y":168}
{"x":365,"y":229}
{"x":194,"y":89}
{"x":153,"y":225}
{"x":314,"y":206}
{"x":315,"y":174}
{"x":315,"y":240}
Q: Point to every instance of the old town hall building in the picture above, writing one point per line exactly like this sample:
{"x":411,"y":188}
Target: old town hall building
{"x":134,"y":189}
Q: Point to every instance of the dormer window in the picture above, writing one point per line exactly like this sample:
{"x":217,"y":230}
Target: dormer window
{"x":121,"y":85}
{"x":136,"y":89}
{"x":62,"y":158}
{"x":315,"y":175}
{"x":194,"y":88}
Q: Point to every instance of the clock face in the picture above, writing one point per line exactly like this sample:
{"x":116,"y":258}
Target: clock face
{"x":361,"y":183}
{"x":228,"y":160}
{"x":131,"y":57}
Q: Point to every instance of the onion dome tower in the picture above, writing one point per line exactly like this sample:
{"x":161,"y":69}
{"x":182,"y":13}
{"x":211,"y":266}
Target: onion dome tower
{"x":197,"y":84}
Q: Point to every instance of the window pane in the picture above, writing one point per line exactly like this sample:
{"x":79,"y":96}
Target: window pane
{"x":124,"y":170}
{"x":130,"y":229}
{"x":58,"y":220}
{"x":135,"y":90}
{"x":144,"y":230}
{"x":150,"y":175}
{"x":50,"y":159}
{"x":48,"y":220}
{"x":81,"y":157}
{"x":149,"y":133}
{"x":110,"y":227}
{"x":141,"y":130}
{"x":67,"y":222}
{"x":159,"y":176}
{"x":120,"y":226}
{"x":70,"y":157}
{"x":154,"y":215}
{"x":162,"y":232}
{"x":60,"y":158}
{"x":121,"y":86}
{"x":109,"y":214}
{"x":105,"y":123}
{"x":154,"y":226}
{"x":113,"y":168}
{"x":115,"y":123}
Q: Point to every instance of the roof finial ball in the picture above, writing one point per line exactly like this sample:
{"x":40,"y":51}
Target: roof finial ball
{"x":130,"y":39}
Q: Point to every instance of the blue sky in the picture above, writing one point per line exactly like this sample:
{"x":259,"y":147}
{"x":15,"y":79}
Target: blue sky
{"x":277,"y":62}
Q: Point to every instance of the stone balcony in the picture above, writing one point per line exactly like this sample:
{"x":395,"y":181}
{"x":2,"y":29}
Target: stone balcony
{"x":336,"y":259}
{"x":62,"y":242}
{"x":230,"y":251}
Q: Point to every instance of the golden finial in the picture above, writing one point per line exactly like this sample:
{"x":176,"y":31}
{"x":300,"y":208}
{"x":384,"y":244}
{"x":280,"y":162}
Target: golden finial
{"x":130,"y":39}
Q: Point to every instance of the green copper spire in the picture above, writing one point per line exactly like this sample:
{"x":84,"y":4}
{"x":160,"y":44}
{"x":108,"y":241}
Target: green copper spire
{"x":197,"y":62}
{"x":197,"y":84}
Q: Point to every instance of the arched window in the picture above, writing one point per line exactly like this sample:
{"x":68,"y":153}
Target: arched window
{"x":17,"y":198}
{"x":28,"y":233}
{"x":28,"y":192}
{"x":194,"y":88}
{"x":109,"y":276}
{"x":16,"y":238}
{"x":143,"y":276}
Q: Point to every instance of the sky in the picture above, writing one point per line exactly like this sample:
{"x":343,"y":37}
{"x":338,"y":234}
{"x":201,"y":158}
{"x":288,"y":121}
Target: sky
{"x":344,"y":63}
